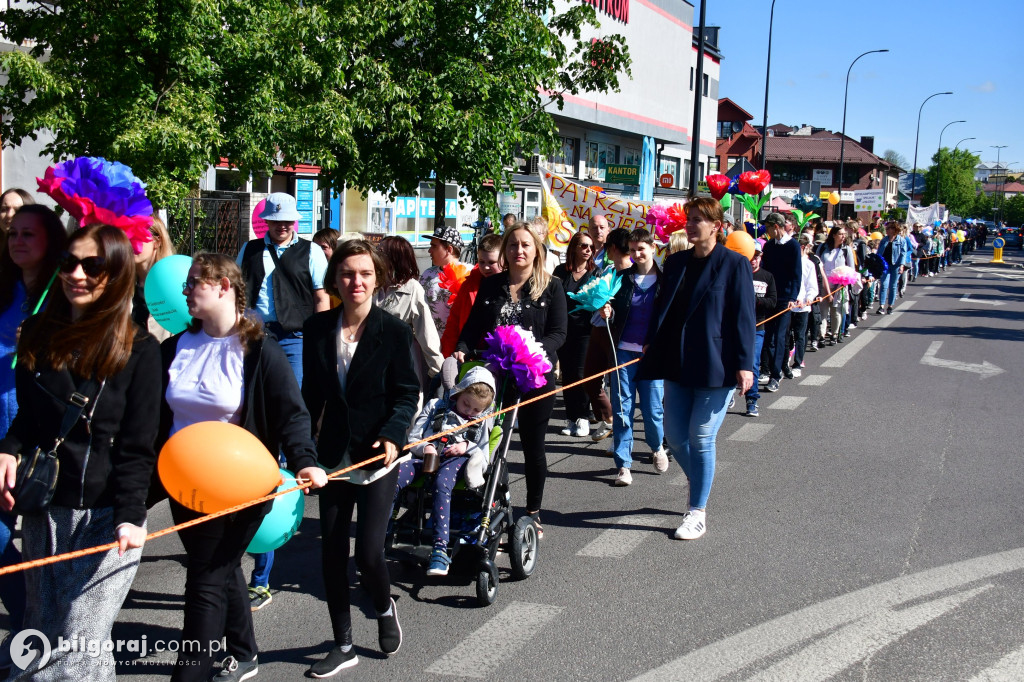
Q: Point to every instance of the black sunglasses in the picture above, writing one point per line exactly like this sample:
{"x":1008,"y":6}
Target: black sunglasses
{"x":92,"y":266}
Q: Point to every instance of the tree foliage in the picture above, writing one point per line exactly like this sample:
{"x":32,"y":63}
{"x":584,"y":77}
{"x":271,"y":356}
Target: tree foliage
{"x":380,"y":95}
{"x":959,"y":187}
{"x":896,"y":159}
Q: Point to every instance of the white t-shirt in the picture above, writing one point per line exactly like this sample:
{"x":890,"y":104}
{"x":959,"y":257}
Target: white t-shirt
{"x":206,"y":380}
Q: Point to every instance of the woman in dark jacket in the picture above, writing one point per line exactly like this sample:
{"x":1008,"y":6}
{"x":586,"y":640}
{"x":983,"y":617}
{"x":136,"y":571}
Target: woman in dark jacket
{"x":703,"y":347}
{"x":85,"y":349}
{"x":575,"y":273}
{"x":527,"y":296}
{"x":362,"y":389}
{"x":224,"y":369}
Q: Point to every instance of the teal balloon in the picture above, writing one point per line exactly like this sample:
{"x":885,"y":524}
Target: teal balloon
{"x":164,"y":295}
{"x":284,"y":518}
{"x":726,"y":201}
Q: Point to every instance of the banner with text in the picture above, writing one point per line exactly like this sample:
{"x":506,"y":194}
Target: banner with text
{"x":868,"y":199}
{"x":568,"y":207}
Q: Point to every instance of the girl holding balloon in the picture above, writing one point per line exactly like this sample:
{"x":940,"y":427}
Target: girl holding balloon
{"x":223,"y":369}
{"x":153,"y":251}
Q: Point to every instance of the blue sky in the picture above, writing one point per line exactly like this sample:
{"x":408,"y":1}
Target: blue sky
{"x":971,"y":48}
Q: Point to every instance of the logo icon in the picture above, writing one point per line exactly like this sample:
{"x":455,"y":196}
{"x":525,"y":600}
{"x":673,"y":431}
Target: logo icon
{"x":23,"y":653}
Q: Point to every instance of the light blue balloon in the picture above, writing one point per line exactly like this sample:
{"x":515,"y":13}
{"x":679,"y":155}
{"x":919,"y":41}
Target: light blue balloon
{"x":280,"y":524}
{"x":164,"y":295}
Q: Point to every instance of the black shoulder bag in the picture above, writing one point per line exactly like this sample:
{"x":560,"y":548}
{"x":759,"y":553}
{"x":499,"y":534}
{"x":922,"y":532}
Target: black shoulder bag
{"x":36,"y":478}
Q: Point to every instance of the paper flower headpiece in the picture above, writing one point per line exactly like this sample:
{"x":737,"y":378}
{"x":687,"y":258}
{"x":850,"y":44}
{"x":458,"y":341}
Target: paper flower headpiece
{"x":594,"y":294}
{"x":95,"y":190}
{"x":516,"y":351}
{"x":665,"y":220}
{"x":451,"y":279}
{"x":806,"y":202}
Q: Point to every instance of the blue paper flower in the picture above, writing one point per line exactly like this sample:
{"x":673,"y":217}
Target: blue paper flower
{"x":597,"y":292}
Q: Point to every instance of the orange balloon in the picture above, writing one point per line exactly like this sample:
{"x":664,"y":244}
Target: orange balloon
{"x":833,"y":198}
{"x":211,"y":466}
{"x":741,"y":242}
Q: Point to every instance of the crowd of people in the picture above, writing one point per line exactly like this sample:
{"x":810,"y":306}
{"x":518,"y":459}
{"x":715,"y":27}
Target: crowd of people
{"x":330,"y":350}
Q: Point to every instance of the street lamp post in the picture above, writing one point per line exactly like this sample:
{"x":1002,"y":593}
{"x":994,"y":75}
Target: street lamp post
{"x":698,"y":98}
{"x":938,"y":184}
{"x":768,"y":73}
{"x":842,"y":138}
{"x":917,"y":138}
{"x":999,"y":148}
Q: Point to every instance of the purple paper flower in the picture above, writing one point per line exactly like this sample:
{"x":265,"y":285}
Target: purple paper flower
{"x":514,"y":350}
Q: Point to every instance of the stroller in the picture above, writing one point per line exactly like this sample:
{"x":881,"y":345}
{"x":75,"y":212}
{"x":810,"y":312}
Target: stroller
{"x":480,"y":518}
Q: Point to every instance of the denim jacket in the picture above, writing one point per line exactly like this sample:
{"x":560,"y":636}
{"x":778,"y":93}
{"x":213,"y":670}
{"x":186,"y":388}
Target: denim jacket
{"x":900,"y":252}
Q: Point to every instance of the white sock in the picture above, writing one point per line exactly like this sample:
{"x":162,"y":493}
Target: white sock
{"x":346,"y":648}
{"x":696,"y":512}
{"x":386,"y":613}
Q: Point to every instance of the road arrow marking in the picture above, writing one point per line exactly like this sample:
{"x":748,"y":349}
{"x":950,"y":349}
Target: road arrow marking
{"x":985,"y":369}
{"x":967,"y":299}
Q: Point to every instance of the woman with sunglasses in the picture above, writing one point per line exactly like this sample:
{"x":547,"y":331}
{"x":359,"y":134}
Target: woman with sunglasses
{"x":223,"y":368}
{"x":27,"y":264}
{"x":85,"y":349}
{"x":575,"y":272}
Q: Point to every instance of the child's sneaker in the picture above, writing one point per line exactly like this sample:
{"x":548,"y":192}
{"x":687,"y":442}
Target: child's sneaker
{"x":439,"y":562}
{"x":258,"y":598}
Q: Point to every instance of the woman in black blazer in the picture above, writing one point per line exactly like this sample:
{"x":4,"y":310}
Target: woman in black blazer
{"x":527,"y":296}
{"x":362,"y":390}
{"x":703,"y":347}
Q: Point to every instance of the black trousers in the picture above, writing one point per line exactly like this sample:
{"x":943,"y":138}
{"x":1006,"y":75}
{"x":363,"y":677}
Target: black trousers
{"x":337,"y":502}
{"x":216,"y":594}
{"x":571,"y":357}
{"x":775,"y":342}
{"x":533,"y":427}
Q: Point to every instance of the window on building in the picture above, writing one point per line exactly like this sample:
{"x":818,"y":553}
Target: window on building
{"x":631,"y":156}
{"x":691,"y":78}
{"x":790,"y":172}
{"x":733,"y":160}
{"x":599,"y":155}
{"x":851,"y":175}
{"x":713,"y":165}
{"x":564,"y":161}
{"x":706,"y":82}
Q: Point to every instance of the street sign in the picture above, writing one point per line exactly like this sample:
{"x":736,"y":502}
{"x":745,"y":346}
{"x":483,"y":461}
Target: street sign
{"x":626,"y":175}
{"x":667,"y":180}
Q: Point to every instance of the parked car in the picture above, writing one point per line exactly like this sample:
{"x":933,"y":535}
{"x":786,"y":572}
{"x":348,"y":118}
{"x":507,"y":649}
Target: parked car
{"x":1012,"y":236}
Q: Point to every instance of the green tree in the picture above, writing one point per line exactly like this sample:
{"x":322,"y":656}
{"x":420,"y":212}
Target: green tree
{"x":1013,"y":210}
{"x":959,"y":187}
{"x":981,"y":207}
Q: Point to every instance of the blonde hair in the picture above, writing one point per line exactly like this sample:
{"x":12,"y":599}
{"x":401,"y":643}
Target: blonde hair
{"x":159,"y":231}
{"x":678,"y":241}
{"x":479,"y":390}
{"x":539,"y":278}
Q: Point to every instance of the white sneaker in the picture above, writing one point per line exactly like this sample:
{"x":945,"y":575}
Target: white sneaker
{"x":796,"y":371}
{"x":694,"y":525}
{"x":624,"y":477}
{"x":763,"y":379}
{"x":582,"y":428}
{"x":603,"y":430}
{"x":569,"y":428}
{"x":660,"y":460}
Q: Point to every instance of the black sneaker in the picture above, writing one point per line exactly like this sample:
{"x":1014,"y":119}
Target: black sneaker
{"x":389,"y":631}
{"x":333,"y":663}
{"x":772,"y":386}
{"x":233,"y":670}
{"x":788,"y":373}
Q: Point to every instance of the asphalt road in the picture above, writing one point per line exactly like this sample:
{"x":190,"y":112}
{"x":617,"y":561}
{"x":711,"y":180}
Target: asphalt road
{"x":867,"y":526}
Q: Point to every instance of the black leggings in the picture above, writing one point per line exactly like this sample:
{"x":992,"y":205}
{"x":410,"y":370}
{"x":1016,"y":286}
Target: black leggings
{"x":337,"y":501}
{"x":216,"y":594}
{"x":571,"y":357}
{"x":533,"y":427}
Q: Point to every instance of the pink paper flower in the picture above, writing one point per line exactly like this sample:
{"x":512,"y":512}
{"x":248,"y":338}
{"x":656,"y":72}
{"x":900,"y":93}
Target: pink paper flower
{"x":512,"y":349}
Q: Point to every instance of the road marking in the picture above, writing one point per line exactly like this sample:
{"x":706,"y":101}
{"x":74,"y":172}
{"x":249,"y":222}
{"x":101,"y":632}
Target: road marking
{"x":831,"y":655}
{"x":751,"y":433}
{"x":967,"y":299}
{"x":930,"y":286}
{"x":1009,"y":668}
{"x":787,"y":402}
{"x":979,"y":275}
{"x":616,"y":543}
{"x":855,"y":345}
{"x":815,"y":379}
{"x":486,"y":650}
{"x":727,"y":656}
{"x":986,"y":369}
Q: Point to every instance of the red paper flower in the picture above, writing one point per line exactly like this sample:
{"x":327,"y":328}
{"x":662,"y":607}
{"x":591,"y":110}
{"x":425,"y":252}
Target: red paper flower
{"x":754,"y":182}
{"x":718,"y":185}
{"x":451,"y":279}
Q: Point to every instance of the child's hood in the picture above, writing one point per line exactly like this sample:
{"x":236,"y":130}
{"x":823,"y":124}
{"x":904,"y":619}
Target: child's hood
{"x":476,"y":375}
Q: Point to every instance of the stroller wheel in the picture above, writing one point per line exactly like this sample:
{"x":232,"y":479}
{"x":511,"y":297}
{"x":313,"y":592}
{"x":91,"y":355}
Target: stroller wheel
{"x":486,"y":583}
{"x":523,"y":546}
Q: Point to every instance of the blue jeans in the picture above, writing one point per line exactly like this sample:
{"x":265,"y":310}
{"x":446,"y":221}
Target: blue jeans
{"x":12,"y":585}
{"x":624,"y":387}
{"x":775,"y":338}
{"x":694,"y":417}
{"x":752,"y":394}
{"x":890,"y":283}
{"x":291,"y":344}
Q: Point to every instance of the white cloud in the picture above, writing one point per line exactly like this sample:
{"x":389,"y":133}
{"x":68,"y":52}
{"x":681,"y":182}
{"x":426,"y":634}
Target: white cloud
{"x":790,"y":83}
{"x":987,"y":86}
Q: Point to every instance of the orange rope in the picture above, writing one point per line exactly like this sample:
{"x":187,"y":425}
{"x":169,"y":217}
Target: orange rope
{"x":36,"y":563}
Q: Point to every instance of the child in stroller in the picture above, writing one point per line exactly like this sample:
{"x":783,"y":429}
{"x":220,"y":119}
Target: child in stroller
{"x":466,"y":449}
